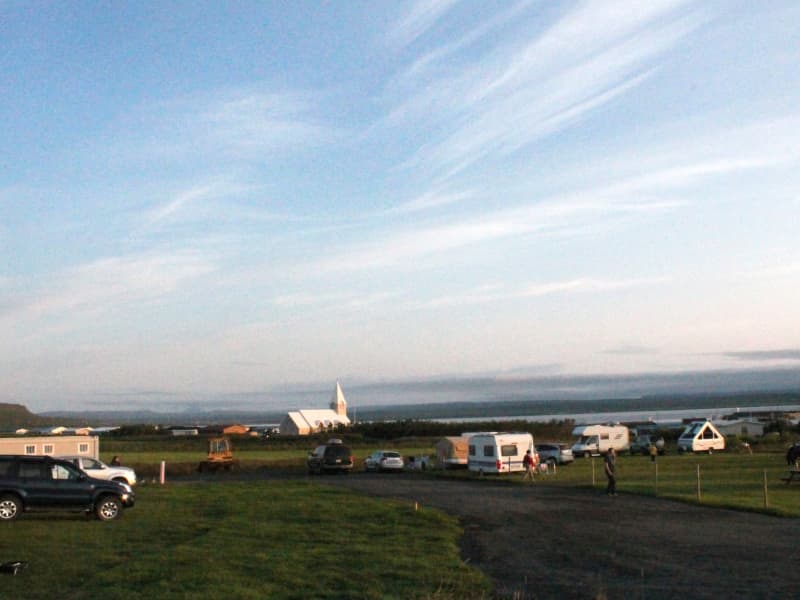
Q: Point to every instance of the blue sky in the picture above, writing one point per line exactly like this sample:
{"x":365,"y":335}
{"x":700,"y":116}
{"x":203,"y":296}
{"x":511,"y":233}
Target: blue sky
{"x":204,"y":199}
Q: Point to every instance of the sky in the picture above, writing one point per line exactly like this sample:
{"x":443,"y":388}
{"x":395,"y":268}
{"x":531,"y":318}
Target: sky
{"x":205,"y":199}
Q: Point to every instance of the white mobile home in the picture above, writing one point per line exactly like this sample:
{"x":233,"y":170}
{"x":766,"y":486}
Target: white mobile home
{"x":597,"y":439}
{"x":701,"y":436}
{"x":52,"y":445}
{"x":498,"y":452}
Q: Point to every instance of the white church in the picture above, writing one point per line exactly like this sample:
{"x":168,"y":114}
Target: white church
{"x":308,"y":421}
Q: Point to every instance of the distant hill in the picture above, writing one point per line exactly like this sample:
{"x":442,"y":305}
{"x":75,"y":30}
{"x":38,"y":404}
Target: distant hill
{"x":14,"y":416}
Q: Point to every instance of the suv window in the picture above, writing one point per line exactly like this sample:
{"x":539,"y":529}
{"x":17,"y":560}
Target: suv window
{"x":35,"y":470}
{"x":5,"y":466}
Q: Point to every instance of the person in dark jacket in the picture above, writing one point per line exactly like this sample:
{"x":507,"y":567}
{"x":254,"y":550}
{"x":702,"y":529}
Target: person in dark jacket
{"x":610,"y":465}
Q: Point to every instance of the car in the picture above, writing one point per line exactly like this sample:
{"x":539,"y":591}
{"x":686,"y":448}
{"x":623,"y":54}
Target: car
{"x":44,"y":483}
{"x":555,"y":454}
{"x":333,"y":457}
{"x":641,"y":445}
{"x":100,"y":470}
{"x":384,"y":460}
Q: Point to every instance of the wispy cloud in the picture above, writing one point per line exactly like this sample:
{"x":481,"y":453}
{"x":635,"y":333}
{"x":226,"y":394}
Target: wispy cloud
{"x":790,"y":354}
{"x":422,"y":15}
{"x":521,"y":93}
{"x":245,"y":124}
{"x":109,"y":284}
{"x":495,"y":293}
{"x":429,"y":200}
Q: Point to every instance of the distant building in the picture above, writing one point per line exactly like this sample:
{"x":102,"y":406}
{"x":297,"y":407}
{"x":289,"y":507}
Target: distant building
{"x":742,"y":427}
{"x":235,"y":430}
{"x":308,"y":421}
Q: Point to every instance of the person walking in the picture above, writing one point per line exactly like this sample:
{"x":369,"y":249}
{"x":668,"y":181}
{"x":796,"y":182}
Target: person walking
{"x":610,"y":464}
{"x":653,"y":452}
{"x":529,"y":464}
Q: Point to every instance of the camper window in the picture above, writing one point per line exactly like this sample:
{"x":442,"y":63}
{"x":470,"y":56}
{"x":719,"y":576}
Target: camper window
{"x":30,"y":449}
{"x":508,"y":450}
{"x":48,"y":448}
{"x":471,"y":450}
{"x":603,"y":436}
{"x":83,"y":448}
{"x":708,"y":434}
{"x":488,"y":450}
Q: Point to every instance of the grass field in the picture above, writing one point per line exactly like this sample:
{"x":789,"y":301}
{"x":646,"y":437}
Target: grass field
{"x":287,"y":539}
{"x":728,"y":479}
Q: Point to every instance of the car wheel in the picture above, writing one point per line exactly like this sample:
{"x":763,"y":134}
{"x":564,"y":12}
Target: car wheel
{"x":10,"y":507}
{"x":108,"y":508}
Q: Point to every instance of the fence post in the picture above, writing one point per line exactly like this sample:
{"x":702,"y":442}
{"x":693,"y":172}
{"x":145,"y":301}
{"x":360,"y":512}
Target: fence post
{"x":699,"y":497}
{"x":766,"y":497}
{"x":163,"y":473}
{"x":593,"y":480}
{"x":656,"y":466}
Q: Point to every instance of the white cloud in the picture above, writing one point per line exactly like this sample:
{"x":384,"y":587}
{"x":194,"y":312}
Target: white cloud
{"x":109,"y":284}
{"x":421,"y":17}
{"x":521,"y":93}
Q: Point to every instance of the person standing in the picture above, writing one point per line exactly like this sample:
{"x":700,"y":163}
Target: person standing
{"x":610,"y":464}
{"x":653,"y":452}
{"x":529,"y":464}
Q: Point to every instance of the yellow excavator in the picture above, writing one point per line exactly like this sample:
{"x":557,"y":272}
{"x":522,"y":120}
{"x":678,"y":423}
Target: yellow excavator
{"x":220,"y":456}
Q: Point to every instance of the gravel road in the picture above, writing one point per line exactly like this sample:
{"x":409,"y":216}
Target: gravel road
{"x":544,"y":541}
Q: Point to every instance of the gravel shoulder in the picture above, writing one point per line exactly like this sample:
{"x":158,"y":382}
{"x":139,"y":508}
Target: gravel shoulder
{"x":545,"y":541}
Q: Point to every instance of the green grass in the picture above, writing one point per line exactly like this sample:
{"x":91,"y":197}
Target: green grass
{"x":727,"y":479}
{"x":242,"y":540}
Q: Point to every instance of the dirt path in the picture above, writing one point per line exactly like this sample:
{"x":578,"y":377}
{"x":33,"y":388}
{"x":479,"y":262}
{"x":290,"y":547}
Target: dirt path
{"x":555,"y":542}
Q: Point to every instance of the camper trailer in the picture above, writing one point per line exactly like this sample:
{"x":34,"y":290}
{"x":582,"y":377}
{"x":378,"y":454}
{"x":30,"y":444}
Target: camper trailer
{"x":597,"y":439}
{"x":701,"y":436}
{"x":451,"y":452}
{"x":498,"y":452}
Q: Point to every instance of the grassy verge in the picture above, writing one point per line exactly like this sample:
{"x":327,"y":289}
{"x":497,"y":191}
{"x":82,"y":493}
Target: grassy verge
{"x":730,"y":479}
{"x":253,"y":540}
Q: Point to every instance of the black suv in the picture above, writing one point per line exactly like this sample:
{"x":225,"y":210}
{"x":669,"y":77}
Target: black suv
{"x":45,"y":483}
{"x":333,"y":457}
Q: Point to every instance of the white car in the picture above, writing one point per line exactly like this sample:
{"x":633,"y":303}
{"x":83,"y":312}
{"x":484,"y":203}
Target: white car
{"x":384,"y":460}
{"x":100,"y":470}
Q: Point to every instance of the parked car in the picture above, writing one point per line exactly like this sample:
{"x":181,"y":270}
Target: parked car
{"x":100,"y":470}
{"x":384,"y":460}
{"x":555,"y":454}
{"x":30,"y":483}
{"x":641,"y":445}
{"x":333,"y":457}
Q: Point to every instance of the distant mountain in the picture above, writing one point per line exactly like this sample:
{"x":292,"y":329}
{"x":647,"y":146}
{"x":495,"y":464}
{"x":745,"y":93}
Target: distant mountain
{"x":14,"y":416}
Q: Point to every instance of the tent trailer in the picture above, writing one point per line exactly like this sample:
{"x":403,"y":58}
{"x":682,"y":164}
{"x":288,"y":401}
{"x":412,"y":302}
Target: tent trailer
{"x":52,"y":445}
{"x":451,"y":452}
{"x":701,"y":436}
{"x":498,"y":452}
{"x":597,"y":439}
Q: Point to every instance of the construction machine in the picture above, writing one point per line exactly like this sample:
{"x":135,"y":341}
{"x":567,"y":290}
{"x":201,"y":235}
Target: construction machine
{"x":220,"y":456}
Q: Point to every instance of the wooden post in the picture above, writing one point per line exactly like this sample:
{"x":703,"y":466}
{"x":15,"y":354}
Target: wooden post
{"x":699,"y":496}
{"x":766,"y":497}
{"x":656,"y":466}
{"x":593,"y":479}
{"x":163,"y":473}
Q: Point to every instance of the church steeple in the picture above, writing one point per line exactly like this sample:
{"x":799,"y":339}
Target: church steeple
{"x":338,"y":402}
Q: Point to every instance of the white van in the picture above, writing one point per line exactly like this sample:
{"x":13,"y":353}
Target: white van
{"x":597,"y":439}
{"x":498,"y":452}
{"x":701,"y":436}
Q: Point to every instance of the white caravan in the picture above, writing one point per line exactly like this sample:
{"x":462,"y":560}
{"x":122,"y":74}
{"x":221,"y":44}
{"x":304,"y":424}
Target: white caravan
{"x":597,"y":439}
{"x":498,"y":452}
{"x":701,"y":436}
